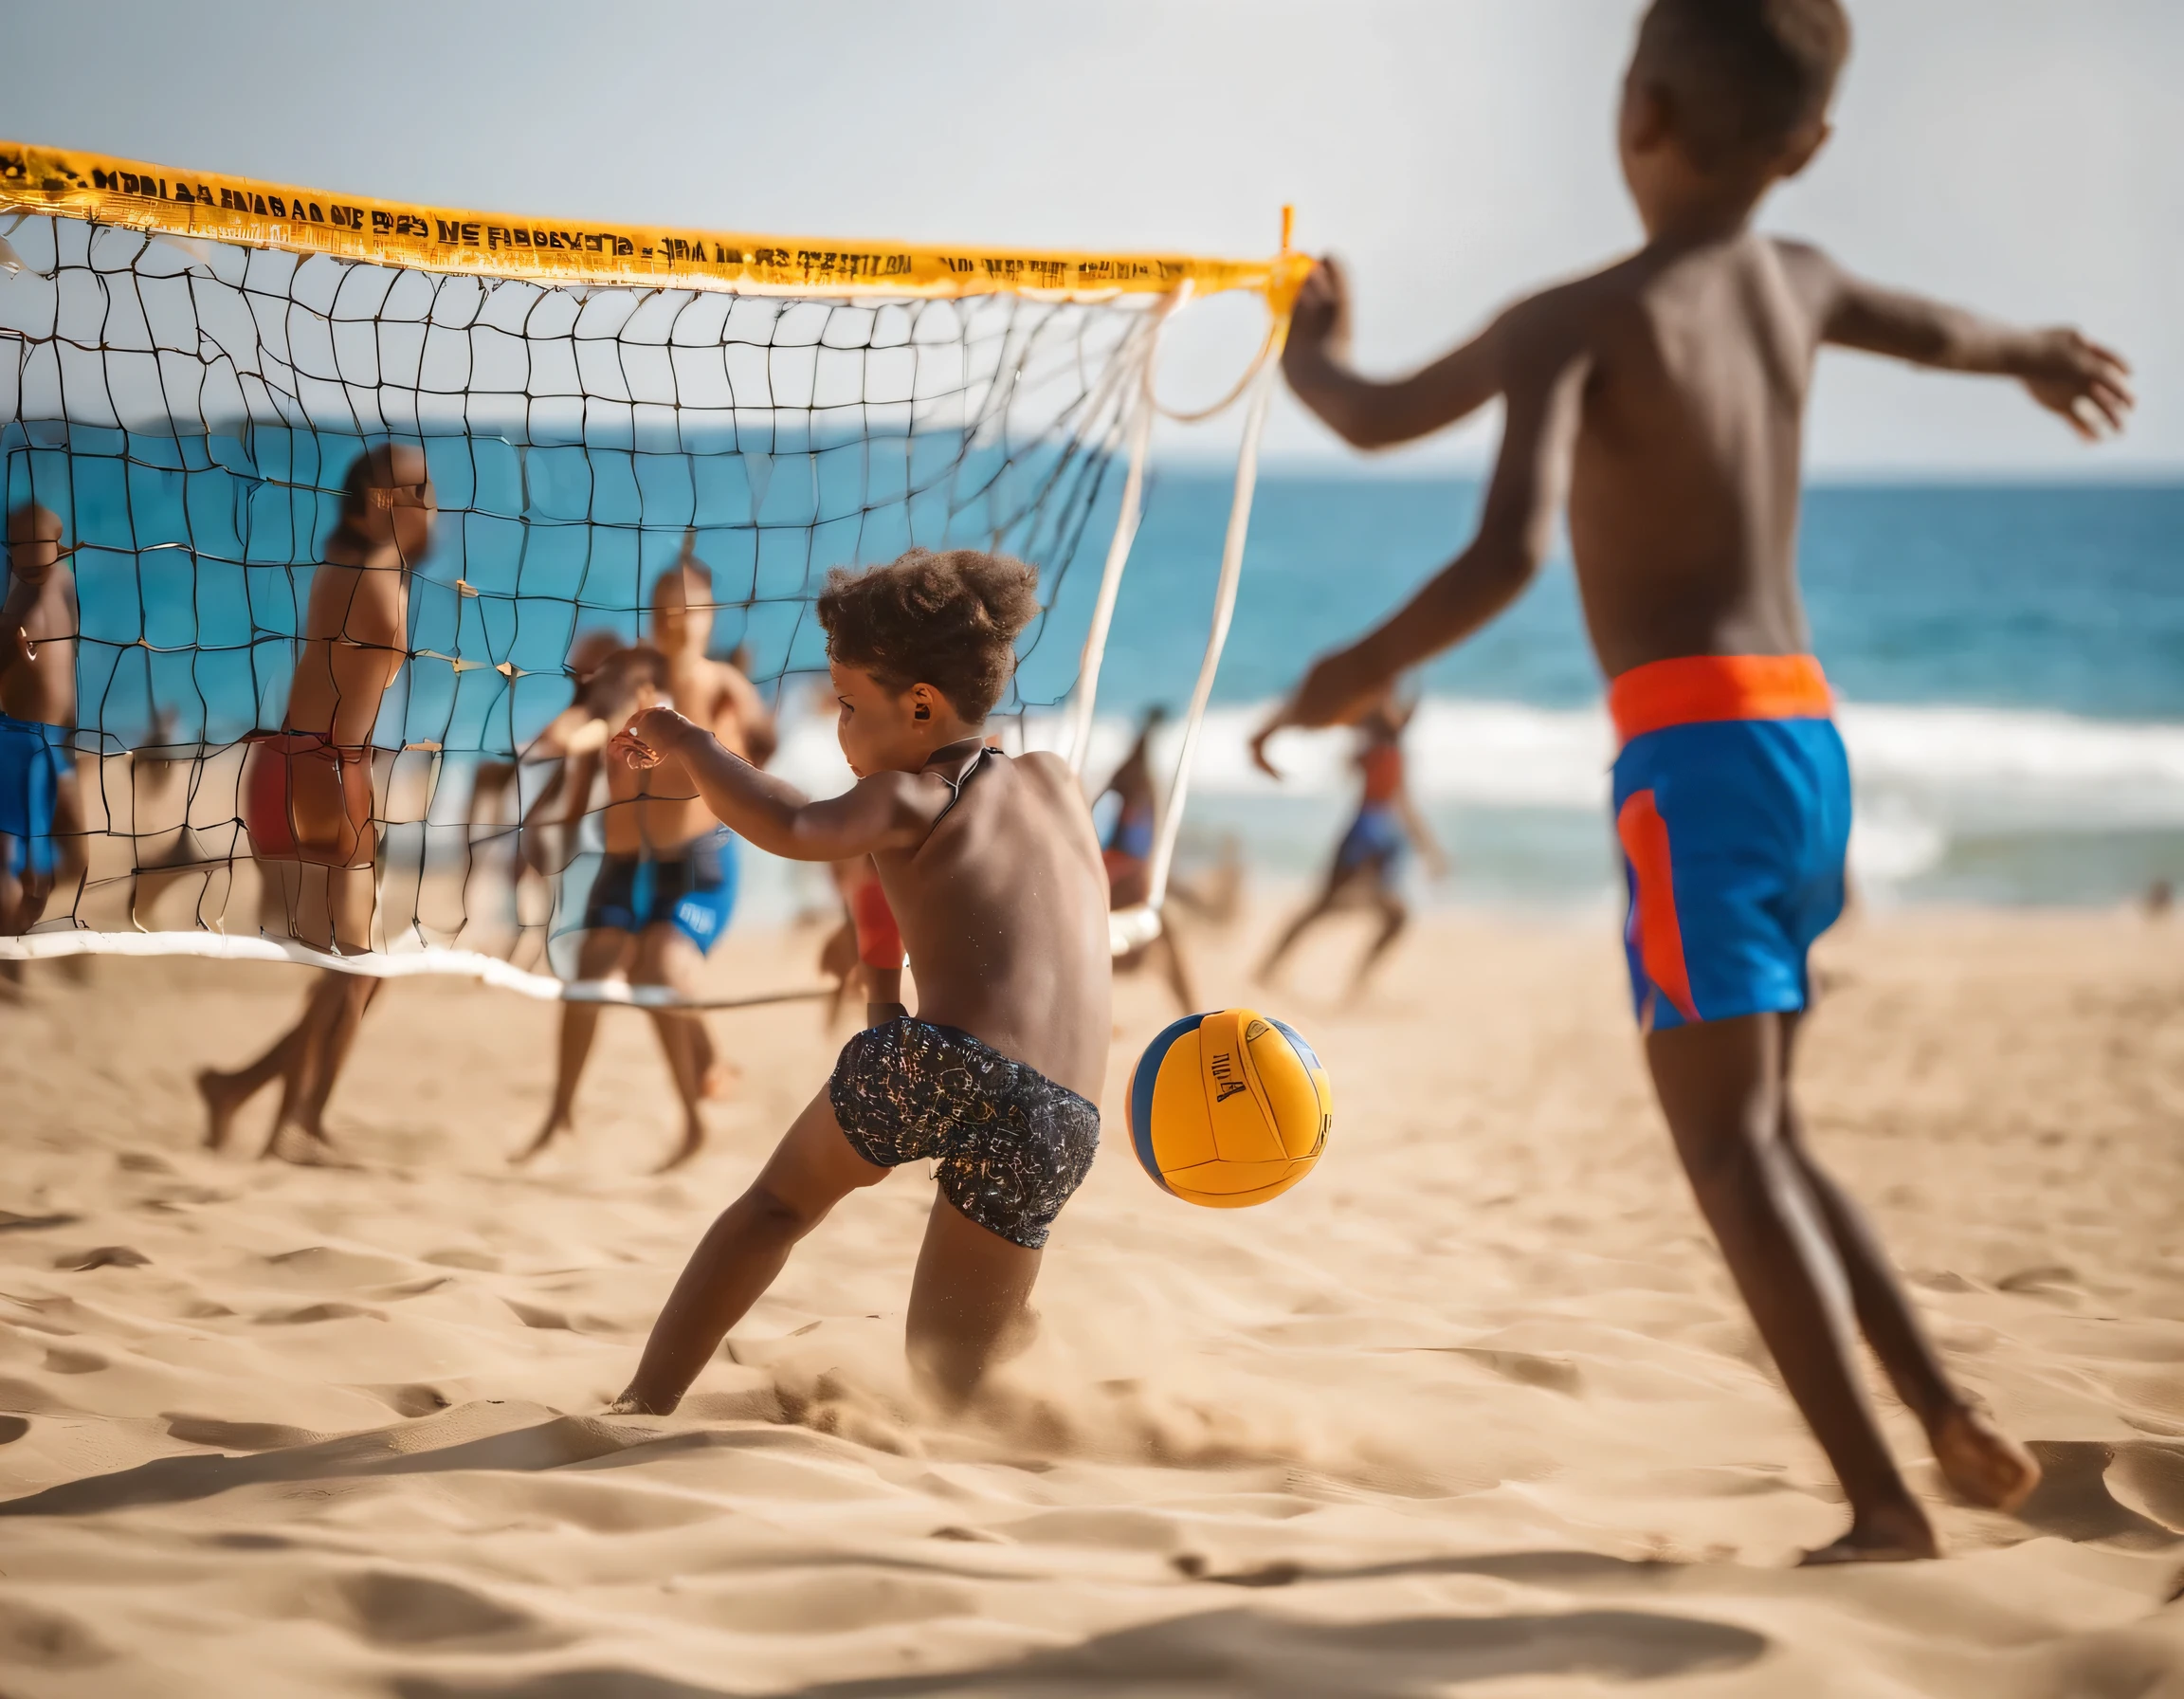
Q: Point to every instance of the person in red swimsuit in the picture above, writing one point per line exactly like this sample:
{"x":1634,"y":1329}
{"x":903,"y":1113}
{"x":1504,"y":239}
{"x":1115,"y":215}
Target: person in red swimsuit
{"x":866,"y":950}
{"x":306,"y":794}
{"x":1369,"y":861}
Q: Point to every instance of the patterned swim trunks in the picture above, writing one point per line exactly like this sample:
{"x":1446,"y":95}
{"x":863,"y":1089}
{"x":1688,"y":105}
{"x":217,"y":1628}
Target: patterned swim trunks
{"x":1012,"y":1144}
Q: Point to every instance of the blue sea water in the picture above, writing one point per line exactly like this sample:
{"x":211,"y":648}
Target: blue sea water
{"x":2063,"y":598}
{"x":2011,"y":657}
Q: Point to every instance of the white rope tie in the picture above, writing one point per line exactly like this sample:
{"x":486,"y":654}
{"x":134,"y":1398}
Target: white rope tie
{"x":1133,"y":928}
{"x":1142,"y":408}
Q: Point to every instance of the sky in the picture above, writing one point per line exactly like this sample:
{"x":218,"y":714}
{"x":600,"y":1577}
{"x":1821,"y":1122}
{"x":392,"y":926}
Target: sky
{"x":2023,"y":156}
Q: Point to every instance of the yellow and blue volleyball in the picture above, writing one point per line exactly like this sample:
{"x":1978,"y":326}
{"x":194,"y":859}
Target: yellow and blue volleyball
{"x":1229,"y":1110}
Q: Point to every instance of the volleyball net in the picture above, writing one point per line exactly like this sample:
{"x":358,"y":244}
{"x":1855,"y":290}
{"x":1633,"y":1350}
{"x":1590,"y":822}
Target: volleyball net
{"x":192,"y":367}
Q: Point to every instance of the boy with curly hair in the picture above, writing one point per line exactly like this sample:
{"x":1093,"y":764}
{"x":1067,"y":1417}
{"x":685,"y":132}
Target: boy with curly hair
{"x":991,"y":867}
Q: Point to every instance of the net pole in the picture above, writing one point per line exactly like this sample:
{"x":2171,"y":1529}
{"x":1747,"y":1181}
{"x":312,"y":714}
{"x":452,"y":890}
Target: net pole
{"x":1223,"y":611}
{"x":1143,"y":409}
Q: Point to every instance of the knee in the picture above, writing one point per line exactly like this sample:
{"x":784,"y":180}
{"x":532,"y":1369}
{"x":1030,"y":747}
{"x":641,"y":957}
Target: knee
{"x":769,"y":1213}
{"x":659,"y":963}
{"x":1725,"y":1161}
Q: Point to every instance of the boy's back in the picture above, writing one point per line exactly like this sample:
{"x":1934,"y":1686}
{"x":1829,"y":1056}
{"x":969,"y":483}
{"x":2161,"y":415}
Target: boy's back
{"x":1683,"y":504}
{"x":1664,"y":398}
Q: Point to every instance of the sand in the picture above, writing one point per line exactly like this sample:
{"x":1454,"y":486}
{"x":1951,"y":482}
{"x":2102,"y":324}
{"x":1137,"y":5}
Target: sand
{"x":1473,"y":1410}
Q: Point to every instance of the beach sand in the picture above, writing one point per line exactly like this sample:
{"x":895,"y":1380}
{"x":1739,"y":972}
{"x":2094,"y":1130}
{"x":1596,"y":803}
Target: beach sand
{"x":1472,"y":1410}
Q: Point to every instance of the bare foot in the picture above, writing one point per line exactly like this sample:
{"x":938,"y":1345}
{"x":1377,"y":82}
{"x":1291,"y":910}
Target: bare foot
{"x":307,"y":1148}
{"x":722,"y":1078}
{"x":1983,"y":1463}
{"x":693,"y":1141}
{"x":633,"y":1404}
{"x":221,"y":1101}
{"x":1898,"y":1536}
{"x":547,"y":1134}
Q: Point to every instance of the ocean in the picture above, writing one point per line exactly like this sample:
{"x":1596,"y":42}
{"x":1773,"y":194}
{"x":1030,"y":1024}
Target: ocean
{"x":2009,"y":658}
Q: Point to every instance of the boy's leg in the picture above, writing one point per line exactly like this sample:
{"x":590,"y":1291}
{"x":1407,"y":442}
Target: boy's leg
{"x":12,"y":849}
{"x":339,"y":1001}
{"x":1171,"y":961}
{"x":1720,"y":1084}
{"x":717,"y":1076}
{"x":1982,"y":1462}
{"x":226,"y":1092}
{"x":970,"y":1303}
{"x":1395,"y":916}
{"x":812,"y":1169}
{"x":1320,"y":907}
{"x":666,"y":956}
{"x":71,"y":858}
{"x":347,"y":996}
{"x":601,"y":952}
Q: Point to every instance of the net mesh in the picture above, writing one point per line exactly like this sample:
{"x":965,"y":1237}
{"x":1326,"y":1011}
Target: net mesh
{"x":189,"y":410}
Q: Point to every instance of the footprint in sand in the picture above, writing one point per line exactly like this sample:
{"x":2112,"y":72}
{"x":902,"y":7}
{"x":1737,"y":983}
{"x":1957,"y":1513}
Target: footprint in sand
{"x":411,"y":1400}
{"x":391,"y":1609}
{"x":2078,"y":1499}
{"x":35,"y":1638}
{"x":11,"y":1222}
{"x":321,"y":1312}
{"x":237,"y":1436}
{"x":103,"y":1257}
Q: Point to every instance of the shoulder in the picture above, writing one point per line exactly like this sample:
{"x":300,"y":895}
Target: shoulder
{"x":1568,"y":320}
{"x":735,"y":689}
{"x":1043,"y":767}
{"x":910,"y":799}
{"x":1806,"y":265}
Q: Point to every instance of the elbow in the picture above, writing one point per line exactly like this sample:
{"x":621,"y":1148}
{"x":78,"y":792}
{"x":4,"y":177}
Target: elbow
{"x":1352,"y":424}
{"x":1372,"y":433}
{"x":1512,"y":560}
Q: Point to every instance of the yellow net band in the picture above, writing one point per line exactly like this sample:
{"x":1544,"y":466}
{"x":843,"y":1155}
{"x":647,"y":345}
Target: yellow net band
{"x":257,"y":214}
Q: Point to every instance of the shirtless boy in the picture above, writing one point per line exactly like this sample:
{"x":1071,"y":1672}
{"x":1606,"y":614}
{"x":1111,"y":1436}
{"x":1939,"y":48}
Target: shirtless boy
{"x":991,"y":865}
{"x":1369,"y":860}
{"x":1668,"y":392}
{"x":667,"y":885}
{"x":307,"y":789}
{"x":40,"y":810}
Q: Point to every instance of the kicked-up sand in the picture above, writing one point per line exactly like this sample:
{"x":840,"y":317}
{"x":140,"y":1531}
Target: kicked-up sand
{"x":1474,"y":1410}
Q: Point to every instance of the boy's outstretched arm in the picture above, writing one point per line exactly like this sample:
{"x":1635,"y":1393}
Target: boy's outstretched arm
{"x":888,"y":811}
{"x":1547,"y":381}
{"x":1365,"y":413}
{"x":2065,"y":371}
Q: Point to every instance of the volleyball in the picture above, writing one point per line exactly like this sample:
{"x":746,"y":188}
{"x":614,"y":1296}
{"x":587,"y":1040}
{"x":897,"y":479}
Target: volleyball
{"x":1229,"y":1110}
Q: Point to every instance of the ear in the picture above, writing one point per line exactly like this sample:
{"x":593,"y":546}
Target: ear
{"x":1803,"y":146}
{"x":1649,"y":115}
{"x":923,"y":700}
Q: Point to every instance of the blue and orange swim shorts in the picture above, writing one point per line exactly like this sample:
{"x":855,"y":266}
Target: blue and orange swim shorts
{"x":1733,"y":806}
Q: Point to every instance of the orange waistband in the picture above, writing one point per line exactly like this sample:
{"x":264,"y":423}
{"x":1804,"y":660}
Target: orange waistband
{"x":1690,"y":688}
